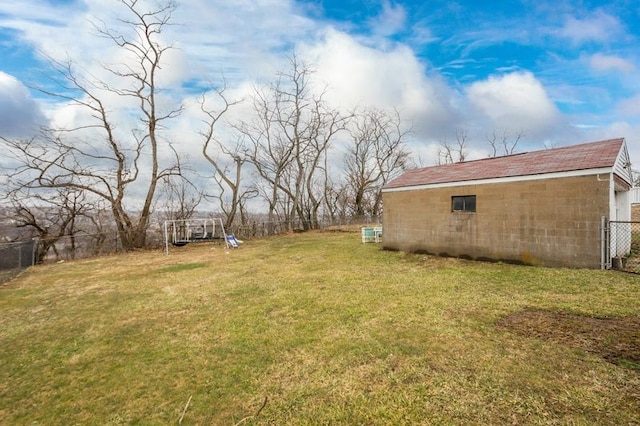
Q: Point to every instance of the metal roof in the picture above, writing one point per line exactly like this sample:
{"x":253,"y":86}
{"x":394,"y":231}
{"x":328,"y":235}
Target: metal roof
{"x":586,"y":156}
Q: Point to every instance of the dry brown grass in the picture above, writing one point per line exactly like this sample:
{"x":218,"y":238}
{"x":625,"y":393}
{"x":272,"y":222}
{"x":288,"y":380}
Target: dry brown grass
{"x":329,"y":330}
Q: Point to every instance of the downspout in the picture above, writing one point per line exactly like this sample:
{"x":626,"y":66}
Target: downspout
{"x":603,"y":242}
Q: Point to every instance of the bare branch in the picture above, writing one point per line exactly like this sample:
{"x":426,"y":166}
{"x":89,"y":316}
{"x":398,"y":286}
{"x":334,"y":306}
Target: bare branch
{"x":92,"y":157}
{"x":505,"y":143}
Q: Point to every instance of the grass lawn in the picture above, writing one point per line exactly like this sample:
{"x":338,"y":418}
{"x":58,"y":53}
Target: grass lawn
{"x":316,"y":328}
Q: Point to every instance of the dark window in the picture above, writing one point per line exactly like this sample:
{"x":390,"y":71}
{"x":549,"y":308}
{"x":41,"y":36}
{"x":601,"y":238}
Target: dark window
{"x":463,"y":203}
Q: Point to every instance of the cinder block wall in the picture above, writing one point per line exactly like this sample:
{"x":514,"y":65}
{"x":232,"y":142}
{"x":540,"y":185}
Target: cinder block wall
{"x":554,"y":222}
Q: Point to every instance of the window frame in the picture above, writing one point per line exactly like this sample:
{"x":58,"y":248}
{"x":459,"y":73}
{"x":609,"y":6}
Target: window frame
{"x":467,"y":205}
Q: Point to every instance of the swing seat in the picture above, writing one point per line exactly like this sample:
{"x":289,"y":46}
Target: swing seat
{"x":180,"y":243}
{"x":201,"y":235}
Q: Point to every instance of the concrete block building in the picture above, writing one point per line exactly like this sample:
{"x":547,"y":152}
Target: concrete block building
{"x":543,"y":208}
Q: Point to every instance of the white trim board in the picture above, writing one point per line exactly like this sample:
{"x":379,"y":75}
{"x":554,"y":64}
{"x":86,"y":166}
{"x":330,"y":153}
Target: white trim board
{"x":604,"y":170}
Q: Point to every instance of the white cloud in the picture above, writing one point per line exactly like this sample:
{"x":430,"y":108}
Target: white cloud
{"x":358,"y":75}
{"x":19,"y":113}
{"x":515,"y":101}
{"x":603,"y":63}
{"x":238,"y":38}
{"x":629,"y":108}
{"x":243,"y":39}
{"x":599,"y":26}
{"x":248,"y":42}
{"x":391,"y":20}
{"x":57,"y":31}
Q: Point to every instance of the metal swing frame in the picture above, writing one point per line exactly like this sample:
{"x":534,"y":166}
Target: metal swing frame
{"x":180,"y":232}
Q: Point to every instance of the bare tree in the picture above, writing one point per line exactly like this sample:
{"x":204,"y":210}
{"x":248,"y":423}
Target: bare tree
{"x":286,"y":142}
{"x":269,"y":154}
{"x":181,"y":198}
{"x":376,"y":154}
{"x":50,"y":216}
{"x":94,"y":157}
{"x":454,"y":152}
{"x":313,"y":158}
{"x":504,"y":143}
{"x":337,"y":200}
{"x":227,"y":161}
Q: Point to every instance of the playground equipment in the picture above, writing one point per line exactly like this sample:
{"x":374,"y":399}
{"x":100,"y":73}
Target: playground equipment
{"x":232,"y":241}
{"x":181,"y":232}
{"x":371,"y":234}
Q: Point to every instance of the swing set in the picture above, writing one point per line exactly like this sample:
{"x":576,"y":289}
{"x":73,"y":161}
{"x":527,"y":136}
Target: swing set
{"x":180,"y":232}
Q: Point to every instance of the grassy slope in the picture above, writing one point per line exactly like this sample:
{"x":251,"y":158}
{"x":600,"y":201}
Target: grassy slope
{"x":330,"y":330}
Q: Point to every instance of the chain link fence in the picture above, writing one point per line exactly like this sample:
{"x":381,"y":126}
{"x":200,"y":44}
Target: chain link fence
{"x":263,"y":229}
{"x":16,"y":256}
{"x":624,"y":243}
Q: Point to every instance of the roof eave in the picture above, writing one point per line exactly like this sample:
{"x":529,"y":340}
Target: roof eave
{"x":553,"y":175}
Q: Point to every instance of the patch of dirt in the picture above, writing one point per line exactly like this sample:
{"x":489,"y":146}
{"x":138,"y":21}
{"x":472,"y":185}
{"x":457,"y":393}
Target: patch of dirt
{"x":617,"y":340}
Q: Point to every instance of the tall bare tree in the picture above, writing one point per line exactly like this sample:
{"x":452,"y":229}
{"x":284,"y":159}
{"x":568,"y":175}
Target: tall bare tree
{"x":227,"y":160}
{"x":376,"y":154}
{"x":268,"y":153}
{"x":312,"y":159}
{"x":95,"y":157}
{"x":287,"y":141}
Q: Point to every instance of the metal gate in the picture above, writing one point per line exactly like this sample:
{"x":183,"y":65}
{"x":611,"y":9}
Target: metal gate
{"x":621,"y":245}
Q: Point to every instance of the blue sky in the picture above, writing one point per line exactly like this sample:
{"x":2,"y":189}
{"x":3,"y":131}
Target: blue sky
{"x":561,"y":72}
{"x":590,"y":45}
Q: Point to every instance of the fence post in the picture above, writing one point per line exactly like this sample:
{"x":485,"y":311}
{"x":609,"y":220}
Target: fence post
{"x":33,"y":252}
